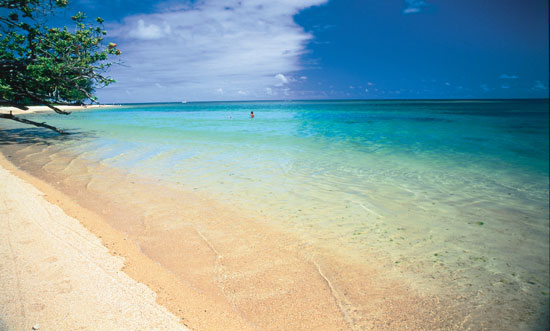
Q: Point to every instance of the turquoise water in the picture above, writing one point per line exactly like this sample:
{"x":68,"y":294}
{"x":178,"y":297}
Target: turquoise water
{"x":493,"y":143}
{"x":485,"y":134}
{"x":465,"y":182}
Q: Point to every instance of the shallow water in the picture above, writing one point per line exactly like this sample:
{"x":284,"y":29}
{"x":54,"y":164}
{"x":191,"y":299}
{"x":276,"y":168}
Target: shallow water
{"x":449,"y":190}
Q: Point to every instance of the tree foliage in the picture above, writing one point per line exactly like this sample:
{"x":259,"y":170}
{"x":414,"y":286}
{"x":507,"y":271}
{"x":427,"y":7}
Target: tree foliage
{"x":50,"y":66}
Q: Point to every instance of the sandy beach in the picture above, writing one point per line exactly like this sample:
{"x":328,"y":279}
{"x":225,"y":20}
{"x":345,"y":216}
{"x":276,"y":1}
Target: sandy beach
{"x":56,"y":275}
{"x":41,"y":109}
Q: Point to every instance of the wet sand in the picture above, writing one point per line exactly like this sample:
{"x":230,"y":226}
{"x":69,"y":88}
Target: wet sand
{"x":218,"y":269}
{"x":56,"y":275}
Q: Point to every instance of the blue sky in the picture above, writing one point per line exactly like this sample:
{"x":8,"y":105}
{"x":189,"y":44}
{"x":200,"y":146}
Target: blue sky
{"x":324,"y":49}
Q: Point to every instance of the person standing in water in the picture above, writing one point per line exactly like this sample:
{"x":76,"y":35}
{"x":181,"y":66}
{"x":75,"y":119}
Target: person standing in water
{"x":251,"y":114}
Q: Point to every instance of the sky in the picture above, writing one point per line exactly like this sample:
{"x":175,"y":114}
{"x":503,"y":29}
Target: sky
{"x":213,"y":50}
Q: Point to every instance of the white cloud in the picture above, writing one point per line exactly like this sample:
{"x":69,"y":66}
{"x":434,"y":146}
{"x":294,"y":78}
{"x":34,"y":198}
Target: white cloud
{"x":219,"y":90}
{"x":370,"y":84}
{"x":148,"y":32}
{"x":303,"y":77}
{"x":411,"y":10}
{"x":241,"y":92}
{"x":367,"y":90}
{"x":209,"y":45}
{"x":282,"y":79}
{"x":414,"y":6}
{"x":506,"y":76}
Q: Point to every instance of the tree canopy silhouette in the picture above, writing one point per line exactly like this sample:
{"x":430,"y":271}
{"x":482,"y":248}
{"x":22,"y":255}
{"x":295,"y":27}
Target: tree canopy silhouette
{"x":49,"y":66}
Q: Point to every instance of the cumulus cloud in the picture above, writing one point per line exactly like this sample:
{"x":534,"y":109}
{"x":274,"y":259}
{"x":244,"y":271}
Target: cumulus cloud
{"x":148,"y":32}
{"x":202,"y":48}
{"x":506,"y":76}
{"x":282,"y":79}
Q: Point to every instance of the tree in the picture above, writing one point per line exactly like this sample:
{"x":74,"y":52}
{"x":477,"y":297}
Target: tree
{"x":49,"y":66}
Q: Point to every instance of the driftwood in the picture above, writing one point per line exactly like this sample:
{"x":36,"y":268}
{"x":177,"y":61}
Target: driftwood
{"x":10,"y":116}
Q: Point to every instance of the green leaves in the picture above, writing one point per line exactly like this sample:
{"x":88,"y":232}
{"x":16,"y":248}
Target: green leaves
{"x":79,"y":17}
{"x":39,"y":64}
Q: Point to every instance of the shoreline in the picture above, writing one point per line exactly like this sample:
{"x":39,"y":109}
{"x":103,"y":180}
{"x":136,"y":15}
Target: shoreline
{"x":180,"y":298}
{"x":150,"y":259}
{"x":45,"y":109}
{"x":57,"y":275}
{"x":285,"y":281}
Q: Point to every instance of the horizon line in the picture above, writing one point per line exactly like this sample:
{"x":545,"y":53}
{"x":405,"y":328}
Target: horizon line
{"x":299,"y":100}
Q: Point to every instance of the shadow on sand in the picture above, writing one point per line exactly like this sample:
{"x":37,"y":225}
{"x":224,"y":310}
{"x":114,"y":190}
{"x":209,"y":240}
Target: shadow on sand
{"x":26,"y":136}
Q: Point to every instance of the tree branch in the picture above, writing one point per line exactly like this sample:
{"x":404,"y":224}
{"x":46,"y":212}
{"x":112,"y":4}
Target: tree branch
{"x":22,"y":120}
{"x":57,"y":110}
{"x":13,"y":104}
{"x":39,"y":100}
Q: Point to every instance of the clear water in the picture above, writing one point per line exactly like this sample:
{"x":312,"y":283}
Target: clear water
{"x":450,"y":185}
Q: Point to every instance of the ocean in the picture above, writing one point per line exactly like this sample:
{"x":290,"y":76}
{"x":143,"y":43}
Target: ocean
{"x":454,"y":189}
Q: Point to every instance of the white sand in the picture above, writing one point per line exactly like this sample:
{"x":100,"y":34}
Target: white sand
{"x":36,"y":109}
{"x":56,"y":273}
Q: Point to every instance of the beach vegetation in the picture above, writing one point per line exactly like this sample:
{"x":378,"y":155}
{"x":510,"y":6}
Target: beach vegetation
{"x":51,"y":66}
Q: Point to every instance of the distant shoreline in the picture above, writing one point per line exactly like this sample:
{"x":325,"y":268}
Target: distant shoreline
{"x":37,"y":109}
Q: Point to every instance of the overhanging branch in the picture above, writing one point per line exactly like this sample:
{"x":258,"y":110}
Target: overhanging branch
{"x":15,"y":105}
{"x":26,"y":121}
